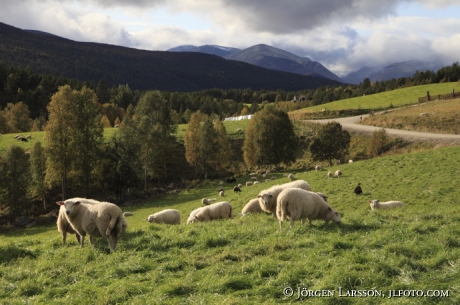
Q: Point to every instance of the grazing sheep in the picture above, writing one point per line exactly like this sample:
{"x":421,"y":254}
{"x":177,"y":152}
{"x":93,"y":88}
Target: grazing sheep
{"x":24,"y":139}
{"x":266,"y":180}
{"x":318,"y":168}
{"x":218,"y":210}
{"x":300,"y":204}
{"x":221,"y":193}
{"x":248,"y":183}
{"x":126,"y":214}
{"x":28,"y":136}
{"x":237,"y":189}
{"x":358,"y":190}
{"x":338,"y":173}
{"x":291,"y":177}
{"x":191,"y":217}
{"x":350,"y":161}
{"x":376,"y":204}
{"x":102,"y":219}
{"x":252,"y":174}
{"x":330,"y":174}
{"x":207,"y":201}
{"x":267,"y":198}
{"x":240,"y":185}
{"x":220,"y":189}
{"x":64,"y":226}
{"x":252,"y":206}
{"x":254,"y":178}
{"x":168,"y":216}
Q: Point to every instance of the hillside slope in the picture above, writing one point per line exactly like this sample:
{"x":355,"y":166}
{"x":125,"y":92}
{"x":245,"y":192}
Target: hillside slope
{"x":141,"y":69}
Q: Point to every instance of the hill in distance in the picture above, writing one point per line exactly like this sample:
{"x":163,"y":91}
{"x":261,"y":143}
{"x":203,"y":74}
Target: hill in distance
{"x":268,"y":57}
{"x":140,"y":69}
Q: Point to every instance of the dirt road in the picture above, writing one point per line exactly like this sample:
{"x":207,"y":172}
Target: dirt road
{"x":349,"y":123}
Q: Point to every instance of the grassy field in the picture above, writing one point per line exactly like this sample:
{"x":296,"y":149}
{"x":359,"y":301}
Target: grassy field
{"x":395,"y":98}
{"x":440,"y":117}
{"x":248,"y":260}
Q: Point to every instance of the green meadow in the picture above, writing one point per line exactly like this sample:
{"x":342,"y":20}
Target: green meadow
{"x":412,"y":250}
{"x":394,"y":98}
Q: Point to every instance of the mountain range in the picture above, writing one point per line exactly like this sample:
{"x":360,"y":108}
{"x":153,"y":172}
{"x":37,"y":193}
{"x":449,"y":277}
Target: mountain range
{"x":44,"y":53}
{"x":277,"y":59}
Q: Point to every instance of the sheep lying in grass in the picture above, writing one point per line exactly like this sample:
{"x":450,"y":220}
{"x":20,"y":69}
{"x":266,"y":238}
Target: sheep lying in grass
{"x":376,"y":204}
{"x":218,"y":210}
{"x":267,"y":198}
{"x":207,"y":201}
{"x":191,"y":217}
{"x":102,"y":219}
{"x":168,"y":216}
{"x":252,"y":206}
{"x":298,"y":204}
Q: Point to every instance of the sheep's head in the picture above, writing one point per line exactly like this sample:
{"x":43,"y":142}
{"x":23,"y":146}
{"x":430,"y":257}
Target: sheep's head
{"x":265,"y":197}
{"x":69,"y":205}
{"x":151,"y":218}
{"x":374,"y":203}
{"x":333,"y":215}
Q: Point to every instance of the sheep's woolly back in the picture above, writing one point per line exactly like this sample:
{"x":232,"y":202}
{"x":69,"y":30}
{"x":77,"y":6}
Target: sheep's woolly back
{"x":252,"y":206}
{"x":218,"y":210}
{"x":168,"y":216}
{"x":298,"y":204}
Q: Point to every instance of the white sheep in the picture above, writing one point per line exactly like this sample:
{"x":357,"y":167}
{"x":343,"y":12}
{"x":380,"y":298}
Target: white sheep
{"x":252,"y":206}
{"x":330,"y":174}
{"x":318,"y":168}
{"x":218,"y":210}
{"x":221,"y":193}
{"x":240,"y":185}
{"x":168,"y":216}
{"x":206,"y":201}
{"x":338,"y":173}
{"x":350,"y":161}
{"x":291,"y":177}
{"x":267,"y":198}
{"x":64,"y":226}
{"x":300,"y":204}
{"x":191,"y":218}
{"x":322,"y":195}
{"x":254,"y":178}
{"x":102,"y":219}
{"x":248,"y":183}
{"x":376,"y":204}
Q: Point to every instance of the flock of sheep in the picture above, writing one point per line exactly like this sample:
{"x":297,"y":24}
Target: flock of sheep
{"x":289,"y":201}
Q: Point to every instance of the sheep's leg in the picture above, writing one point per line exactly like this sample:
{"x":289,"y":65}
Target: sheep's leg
{"x":292,"y":223}
{"x":82,"y":241}
{"x":111,"y":225}
{"x":281,"y":223}
{"x":64,"y":237}
{"x":91,"y":240}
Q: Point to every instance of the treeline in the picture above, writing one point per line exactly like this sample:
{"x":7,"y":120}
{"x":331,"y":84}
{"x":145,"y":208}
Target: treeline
{"x":35,"y":91}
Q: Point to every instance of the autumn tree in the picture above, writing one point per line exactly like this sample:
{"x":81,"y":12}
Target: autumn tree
{"x":330,"y":142}
{"x":59,"y":150}
{"x":38,"y":187}
{"x":18,"y":117}
{"x":377,"y":143}
{"x":270,"y":139}
{"x":224,"y":152}
{"x":192,"y":140}
{"x":14,"y":181}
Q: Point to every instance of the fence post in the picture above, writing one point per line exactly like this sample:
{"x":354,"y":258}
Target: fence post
{"x":428,"y":96}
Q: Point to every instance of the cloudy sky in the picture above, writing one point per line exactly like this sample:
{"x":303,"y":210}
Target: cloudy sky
{"x":343,"y":35}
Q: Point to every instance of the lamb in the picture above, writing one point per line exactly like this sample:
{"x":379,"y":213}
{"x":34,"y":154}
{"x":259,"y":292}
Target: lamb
{"x":338,"y":173}
{"x":267,"y":198}
{"x":206,"y":201}
{"x":376,"y":204}
{"x":221,"y":193}
{"x":318,"y":168}
{"x":102,"y":219}
{"x":291,"y":177}
{"x":300,"y":204}
{"x":330,"y":174}
{"x":252,"y":206}
{"x":191,"y":218}
{"x":168,"y":216}
{"x":237,"y":189}
{"x":218,"y":210}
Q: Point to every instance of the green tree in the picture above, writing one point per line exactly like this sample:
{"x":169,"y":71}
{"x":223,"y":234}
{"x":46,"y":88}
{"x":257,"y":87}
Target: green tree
{"x":18,"y":116}
{"x":270,"y":139}
{"x":330,"y":142}
{"x":14,"y":181}
{"x":224,"y":152}
{"x":105,"y":122}
{"x":86,"y":136}
{"x":208,"y":148}
{"x":38,"y":188}
{"x":377,"y":143}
